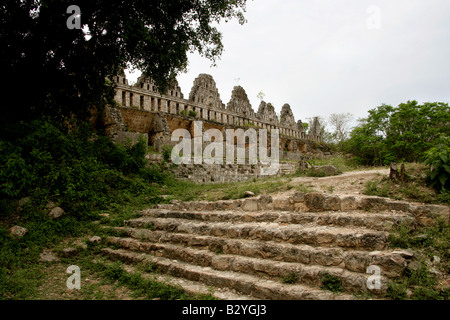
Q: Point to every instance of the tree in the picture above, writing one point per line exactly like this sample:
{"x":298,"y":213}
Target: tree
{"x":340,"y":122}
{"x":51,"y":69}
{"x":260,"y":95}
{"x":403,"y":133}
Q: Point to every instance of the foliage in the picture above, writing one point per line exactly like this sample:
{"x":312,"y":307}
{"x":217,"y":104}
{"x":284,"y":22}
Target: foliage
{"x":331,"y":283}
{"x":427,"y":243}
{"x":79,"y":170}
{"x":438,"y":158}
{"x":414,"y":188}
{"x":403,"y":133}
{"x":153,"y":36}
{"x":290,"y":278}
{"x":167,"y":153}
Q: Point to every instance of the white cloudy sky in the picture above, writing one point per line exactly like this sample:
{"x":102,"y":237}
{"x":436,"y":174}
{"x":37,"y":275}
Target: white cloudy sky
{"x":321,"y":56}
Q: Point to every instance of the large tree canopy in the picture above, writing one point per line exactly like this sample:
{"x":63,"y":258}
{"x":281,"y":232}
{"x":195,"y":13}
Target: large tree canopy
{"x":403,"y":133}
{"x":52,"y":69}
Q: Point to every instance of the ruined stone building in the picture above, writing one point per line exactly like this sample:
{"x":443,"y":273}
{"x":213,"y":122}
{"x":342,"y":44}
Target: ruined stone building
{"x":143,"y":109}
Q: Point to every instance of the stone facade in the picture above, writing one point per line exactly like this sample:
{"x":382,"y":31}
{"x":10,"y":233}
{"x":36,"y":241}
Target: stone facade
{"x":316,"y":128}
{"x":225,"y":173}
{"x":143,"y":109}
{"x":239,"y":103}
{"x":287,"y":117}
{"x":204,"y":91}
{"x":266,"y":112}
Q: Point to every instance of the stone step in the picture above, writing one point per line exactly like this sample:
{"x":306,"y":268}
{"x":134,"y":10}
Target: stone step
{"x":265,"y":268}
{"x":424,"y":215}
{"x":318,"y":236}
{"x":191,"y":287}
{"x":246,"y":284}
{"x":375,"y":221}
{"x":391,"y":262}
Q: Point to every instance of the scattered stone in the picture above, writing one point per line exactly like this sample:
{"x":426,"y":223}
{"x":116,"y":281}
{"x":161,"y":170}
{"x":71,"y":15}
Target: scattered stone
{"x":69,"y":252}
{"x":56,"y":213}
{"x":95,"y":239}
{"x":436,"y":260}
{"x":327,"y":170}
{"x":47,"y":256}
{"x":404,"y":253}
{"x":18,"y":231}
{"x":413,"y":266}
{"x":21,"y":203}
{"x":50,"y":205}
{"x":421,"y":237}
{"x":248,"y":194}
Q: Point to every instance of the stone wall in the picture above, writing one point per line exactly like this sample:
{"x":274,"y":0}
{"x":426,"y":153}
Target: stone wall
{"x":224,"y":173}
{"x":205,"y":104}
{"x":145,"y":112}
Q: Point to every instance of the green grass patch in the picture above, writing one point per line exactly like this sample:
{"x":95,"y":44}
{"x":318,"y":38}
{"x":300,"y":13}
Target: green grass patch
{"x":290,"y":278}
{"x":418,"y":282}
{"x":414,"y":188}
{"x":331,"y":283}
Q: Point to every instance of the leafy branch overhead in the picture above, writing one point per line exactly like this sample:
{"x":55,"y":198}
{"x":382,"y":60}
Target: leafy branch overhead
{"x":66,"y":71}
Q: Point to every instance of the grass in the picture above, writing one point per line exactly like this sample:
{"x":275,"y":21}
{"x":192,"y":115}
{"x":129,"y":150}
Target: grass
{"x":189,"y":191}
{"x":415,"y":188}
{"x":331,"y":283}
{"x":290,"y":278}
{"x":342,"y":163}
{"x":418,"y":282}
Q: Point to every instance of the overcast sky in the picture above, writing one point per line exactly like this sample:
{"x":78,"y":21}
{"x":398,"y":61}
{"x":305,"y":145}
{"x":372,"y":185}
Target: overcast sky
{"x":330,"y":56}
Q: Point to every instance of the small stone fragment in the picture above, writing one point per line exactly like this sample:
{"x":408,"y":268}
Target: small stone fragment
{"x":69,"y":252}
{"x":47,"y":256}
{"x":18,"y":231}
{"x":248,"y":194}
{"x":56,"y":213}
{"x":95,"y":239}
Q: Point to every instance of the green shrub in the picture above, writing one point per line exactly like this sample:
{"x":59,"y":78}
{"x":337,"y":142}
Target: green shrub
{"x":290,"y":278}
{"x":331,"y":283}
{"x":167,"y":153}
{"x":438,"y":158}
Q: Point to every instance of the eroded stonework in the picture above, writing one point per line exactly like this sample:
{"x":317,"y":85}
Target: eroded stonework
{"x":204,"y":91}
{"x":287,"y":117}
{"x":239,"y":102}
{"x":300,"y":125}
{"x":173,"y":90}
{"x":266,"y":111}
{"x":315,"y":128}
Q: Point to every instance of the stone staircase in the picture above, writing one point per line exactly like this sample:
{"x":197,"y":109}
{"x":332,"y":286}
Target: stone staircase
{"x":265,"y":248}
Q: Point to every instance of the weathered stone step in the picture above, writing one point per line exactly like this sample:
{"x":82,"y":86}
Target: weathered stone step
{"x":391,"y":262}
{"x":321,"y":236}
{"x":243,"y":283}
{"x":375,"y":221}
{"x":266,"y":268}
{"x":191,"y":287}
{"x":317,"y":202}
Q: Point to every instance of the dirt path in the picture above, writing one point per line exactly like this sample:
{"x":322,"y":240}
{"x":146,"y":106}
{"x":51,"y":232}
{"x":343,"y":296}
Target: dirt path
{"x":348,"y":183}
